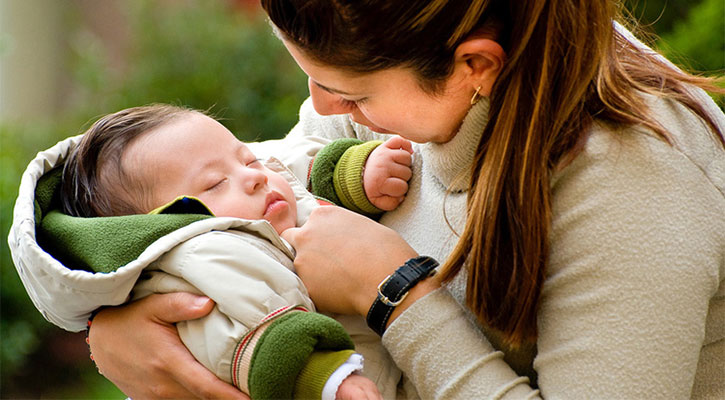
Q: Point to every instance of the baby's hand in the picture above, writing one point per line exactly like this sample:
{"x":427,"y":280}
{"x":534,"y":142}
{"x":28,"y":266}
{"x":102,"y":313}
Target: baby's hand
{"x":357,"y":387}
{"x":387,"y":171}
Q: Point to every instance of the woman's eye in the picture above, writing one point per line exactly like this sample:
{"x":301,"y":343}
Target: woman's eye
{"x":352,"y":103}
{"x":347,"y":103}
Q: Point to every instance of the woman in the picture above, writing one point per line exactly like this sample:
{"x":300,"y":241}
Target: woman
{"x":569,"y":180}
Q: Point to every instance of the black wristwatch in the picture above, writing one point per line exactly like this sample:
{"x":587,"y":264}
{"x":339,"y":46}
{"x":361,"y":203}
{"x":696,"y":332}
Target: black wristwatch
{"x":393,"y":290}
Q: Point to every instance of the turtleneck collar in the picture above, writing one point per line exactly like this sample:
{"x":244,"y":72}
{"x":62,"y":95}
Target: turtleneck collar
{"x":450,"y":162}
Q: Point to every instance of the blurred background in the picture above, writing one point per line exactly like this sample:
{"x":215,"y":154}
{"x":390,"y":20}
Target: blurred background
{"x":65,"y":63}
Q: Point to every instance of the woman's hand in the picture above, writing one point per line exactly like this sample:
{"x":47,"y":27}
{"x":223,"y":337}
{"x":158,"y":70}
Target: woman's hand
{"x":343,"y":256}
{"x":137,"y":347}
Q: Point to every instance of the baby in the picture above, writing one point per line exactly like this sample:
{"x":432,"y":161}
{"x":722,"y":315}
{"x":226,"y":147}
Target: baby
{"x":262,"y":337}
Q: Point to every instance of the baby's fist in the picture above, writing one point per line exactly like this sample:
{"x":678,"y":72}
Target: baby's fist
{"x":387,"y":171}
{"x":357,"y":387}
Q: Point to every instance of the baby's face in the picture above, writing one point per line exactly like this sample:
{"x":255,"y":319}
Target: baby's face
{"x":194,"y":155}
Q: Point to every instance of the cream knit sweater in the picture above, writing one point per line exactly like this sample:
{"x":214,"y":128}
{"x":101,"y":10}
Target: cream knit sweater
{"x":633,"y":306}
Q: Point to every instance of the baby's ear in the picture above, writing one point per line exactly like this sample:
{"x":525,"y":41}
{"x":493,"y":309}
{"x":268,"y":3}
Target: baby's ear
{"x":482,"y":60}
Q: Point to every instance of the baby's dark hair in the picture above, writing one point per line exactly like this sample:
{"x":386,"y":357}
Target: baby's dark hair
{"x":94,"y":182}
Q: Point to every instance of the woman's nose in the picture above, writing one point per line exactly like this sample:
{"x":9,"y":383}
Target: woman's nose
{"x":357,"y":116}
{"x":327,"y":103}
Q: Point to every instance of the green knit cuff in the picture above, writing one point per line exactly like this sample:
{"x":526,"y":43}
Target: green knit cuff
{"x":323,"y":168}
{"x":317,"y":371}
{"x":284,"y":349}
{"x":348,"y":181}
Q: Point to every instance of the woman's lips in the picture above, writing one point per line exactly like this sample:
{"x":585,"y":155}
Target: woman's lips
{"x":378,"y":129}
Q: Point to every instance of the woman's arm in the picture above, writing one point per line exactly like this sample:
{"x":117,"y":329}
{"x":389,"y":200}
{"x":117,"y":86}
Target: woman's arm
{"x":162,"y":367}
{"x":634,"y":262}
{"x":636,"y":252}
{"x":342,"y":257}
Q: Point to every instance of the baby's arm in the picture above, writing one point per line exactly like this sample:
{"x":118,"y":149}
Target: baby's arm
{"x":255,"y":338}
{"x":366,"y":177}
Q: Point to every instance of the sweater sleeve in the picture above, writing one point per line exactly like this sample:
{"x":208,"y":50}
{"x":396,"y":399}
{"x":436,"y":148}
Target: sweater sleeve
{"x":447,"y":357}
{"x":245,"y":340}
{"x":636,"y":256}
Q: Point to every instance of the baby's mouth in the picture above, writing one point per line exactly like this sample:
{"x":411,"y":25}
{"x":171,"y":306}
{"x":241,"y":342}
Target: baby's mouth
{"x":274,"y":204}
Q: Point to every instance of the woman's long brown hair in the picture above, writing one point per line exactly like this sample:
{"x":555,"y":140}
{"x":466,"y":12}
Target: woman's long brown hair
{"x":567,"y":65}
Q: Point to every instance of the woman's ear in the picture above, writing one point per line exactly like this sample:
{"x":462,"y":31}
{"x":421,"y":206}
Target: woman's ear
{"x":481,"y":60}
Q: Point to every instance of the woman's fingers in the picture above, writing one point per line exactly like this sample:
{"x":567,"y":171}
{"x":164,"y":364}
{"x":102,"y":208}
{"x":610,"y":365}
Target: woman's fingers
{"x":342,"y":256}
{"x":290,"y":235}
{"x":137,"y":347}
{"x":176,"y":307}
{"x":194,"y":377}
{"x":198,"y":380}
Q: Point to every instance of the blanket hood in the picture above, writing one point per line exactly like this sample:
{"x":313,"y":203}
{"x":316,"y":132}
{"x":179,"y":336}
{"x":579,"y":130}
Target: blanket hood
{"x":100,"y":244}
{"x":78,"y":264}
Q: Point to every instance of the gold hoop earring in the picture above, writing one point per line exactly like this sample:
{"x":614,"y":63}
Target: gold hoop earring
{"x":476,"y":96}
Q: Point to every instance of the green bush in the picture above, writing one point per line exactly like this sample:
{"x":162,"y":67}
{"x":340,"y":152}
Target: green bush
{"x":200,"y":54}
{"x":699,"y":39}
{"x":21,"y":325}
{"x":692,"y":34}
{"x":203,"y":55}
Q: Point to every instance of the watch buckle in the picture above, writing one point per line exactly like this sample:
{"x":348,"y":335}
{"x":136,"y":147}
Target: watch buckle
{"x":384,"y":299}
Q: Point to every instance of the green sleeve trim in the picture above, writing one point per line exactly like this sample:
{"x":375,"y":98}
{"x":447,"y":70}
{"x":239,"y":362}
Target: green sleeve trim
{"x":320,"y":365}
{"x":348,"y":182}
{"x":323,"y":168}
{"x":284,"y":349}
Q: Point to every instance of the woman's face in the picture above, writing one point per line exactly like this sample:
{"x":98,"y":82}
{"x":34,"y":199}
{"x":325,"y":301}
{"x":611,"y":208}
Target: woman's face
{"x":388,"y":101}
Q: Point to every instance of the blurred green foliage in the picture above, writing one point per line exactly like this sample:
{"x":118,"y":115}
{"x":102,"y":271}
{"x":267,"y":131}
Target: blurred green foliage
{"x":690,"y":33}
{"x":20,"y":321}
{"x":208,"y":55}
{"x":699,"y":39}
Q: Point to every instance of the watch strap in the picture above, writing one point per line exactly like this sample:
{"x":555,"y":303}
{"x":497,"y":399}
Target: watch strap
{"x":393,"y":290}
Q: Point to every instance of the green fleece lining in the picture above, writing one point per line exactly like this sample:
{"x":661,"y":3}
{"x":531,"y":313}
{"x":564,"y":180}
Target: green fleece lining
{"x":323,"y":168}
{"x":100,"y":244}
{"x":273,"y":374}
{"x":348,"y":178}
